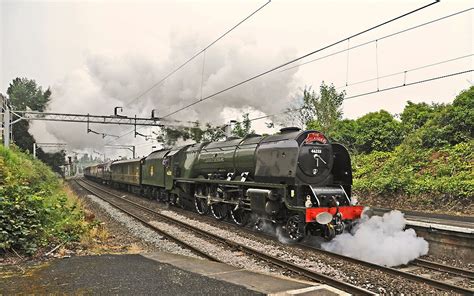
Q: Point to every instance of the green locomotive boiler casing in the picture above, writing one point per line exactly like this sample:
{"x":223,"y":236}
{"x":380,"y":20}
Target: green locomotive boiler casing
{"x":188,"y":162}
{"x":280,"y":159}
{"x":234,"y":155}
{"x":290,"y":158}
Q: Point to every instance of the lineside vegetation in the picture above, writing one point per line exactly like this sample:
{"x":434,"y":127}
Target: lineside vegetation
{"x":420,"y":159}
{"x":35,"y":209}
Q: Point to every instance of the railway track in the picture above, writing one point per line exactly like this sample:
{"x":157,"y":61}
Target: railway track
{"x":419,"y":270}
{"x":411,"y":272}
{"x":310,"y":274}
{"x":452,"y":220}
{"x":445,"y":268}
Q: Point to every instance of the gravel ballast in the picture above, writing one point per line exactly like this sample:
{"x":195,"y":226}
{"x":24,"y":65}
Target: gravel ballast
{"x":364,"y":277}
{"x":139,"y":230}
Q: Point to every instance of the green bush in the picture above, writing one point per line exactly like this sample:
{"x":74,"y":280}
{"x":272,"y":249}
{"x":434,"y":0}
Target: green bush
{"x":412,"y":170}
{"x":34,"y":208}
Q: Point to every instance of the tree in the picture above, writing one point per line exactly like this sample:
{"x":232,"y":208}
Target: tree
{"x":169,"y":136}
{"x":461,"y":117}
{"x":345,"y":132}
{"x":414,"y":116}
{"x":328,"y":107}
{"x":300,"y":111}
{"x":377,"y":131}
{"x":53,"y":160}
{"x":243,"y":128}
{"x":214,"y":133}
{"x":451,"y":124}
{"x":320,"y":111}
{"x":25,"y":94}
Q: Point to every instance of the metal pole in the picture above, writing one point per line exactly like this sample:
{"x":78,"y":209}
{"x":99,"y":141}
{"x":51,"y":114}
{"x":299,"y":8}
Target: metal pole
{"x":133,"y":151}
{"x":135,"y":126}
{"x":6,"y":125}
{"x":34,"y":150}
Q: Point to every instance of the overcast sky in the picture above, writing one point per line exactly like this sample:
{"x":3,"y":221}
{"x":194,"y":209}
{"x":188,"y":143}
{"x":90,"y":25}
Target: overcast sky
{"x":99,"y":54}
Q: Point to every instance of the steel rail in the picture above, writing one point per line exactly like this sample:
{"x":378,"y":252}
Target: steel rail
{"x":420,"y":279}
{"x":160,"y":231}
{"x":279,"y":262}
{"x":413,"y":277}
{"x":423,"y":215}
{"x":420,"y":262}
{"x":444,"y":268}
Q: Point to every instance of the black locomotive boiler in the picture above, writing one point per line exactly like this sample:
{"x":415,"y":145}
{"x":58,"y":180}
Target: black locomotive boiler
{"x":295,"y":179}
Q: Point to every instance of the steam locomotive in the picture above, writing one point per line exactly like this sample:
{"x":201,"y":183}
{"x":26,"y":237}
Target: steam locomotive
{"x":295,"y":179}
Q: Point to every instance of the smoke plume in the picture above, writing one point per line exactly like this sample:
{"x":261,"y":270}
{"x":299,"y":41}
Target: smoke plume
{"x":380,"y":240}
{"x":105,"y":81}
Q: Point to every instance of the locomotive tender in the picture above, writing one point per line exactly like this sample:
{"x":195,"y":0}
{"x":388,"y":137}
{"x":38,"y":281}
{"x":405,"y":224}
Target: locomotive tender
{"x":295,"y":179}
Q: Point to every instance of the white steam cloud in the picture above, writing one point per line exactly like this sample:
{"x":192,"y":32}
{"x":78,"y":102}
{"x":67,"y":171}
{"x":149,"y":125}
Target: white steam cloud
{"x":380,"y":240}
{"x":105,"y":81}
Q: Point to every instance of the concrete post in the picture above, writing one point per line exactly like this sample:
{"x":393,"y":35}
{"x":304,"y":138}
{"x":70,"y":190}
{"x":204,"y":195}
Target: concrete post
{"x":34,"y":150}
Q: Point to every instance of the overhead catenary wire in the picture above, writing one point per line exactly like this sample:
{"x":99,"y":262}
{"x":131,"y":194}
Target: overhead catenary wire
{"x":410,"y":83}
{"x":405,"y":71}
{"x":378,"y":77}
{"x":141,"y":127}
{"x":379,"y":39}
{"x":196,"y":55}
{"x":186,"y":62}
{"x":347,"y":61}
{"x":125,"y":134}
{"x":362,"y":82}
{"x":376,"y":62}
{"x":404,"y":84}
{"x":300,"y":58}
{"x":350,"y":48}
{"x":386,"y":89}
{"x":374,"y":92}
{"x":202,"y":72}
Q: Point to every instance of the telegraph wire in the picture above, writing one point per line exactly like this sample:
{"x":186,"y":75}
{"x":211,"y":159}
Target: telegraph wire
{"x":196,"y":54}
{"x":299,"y":58}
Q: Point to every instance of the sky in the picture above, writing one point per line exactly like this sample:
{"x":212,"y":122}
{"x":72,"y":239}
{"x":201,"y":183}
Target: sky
{"x":95,"y":55}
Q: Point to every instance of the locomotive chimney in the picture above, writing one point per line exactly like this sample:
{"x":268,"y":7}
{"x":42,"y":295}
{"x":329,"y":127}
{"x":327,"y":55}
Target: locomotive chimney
{"x":229,"y":127}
